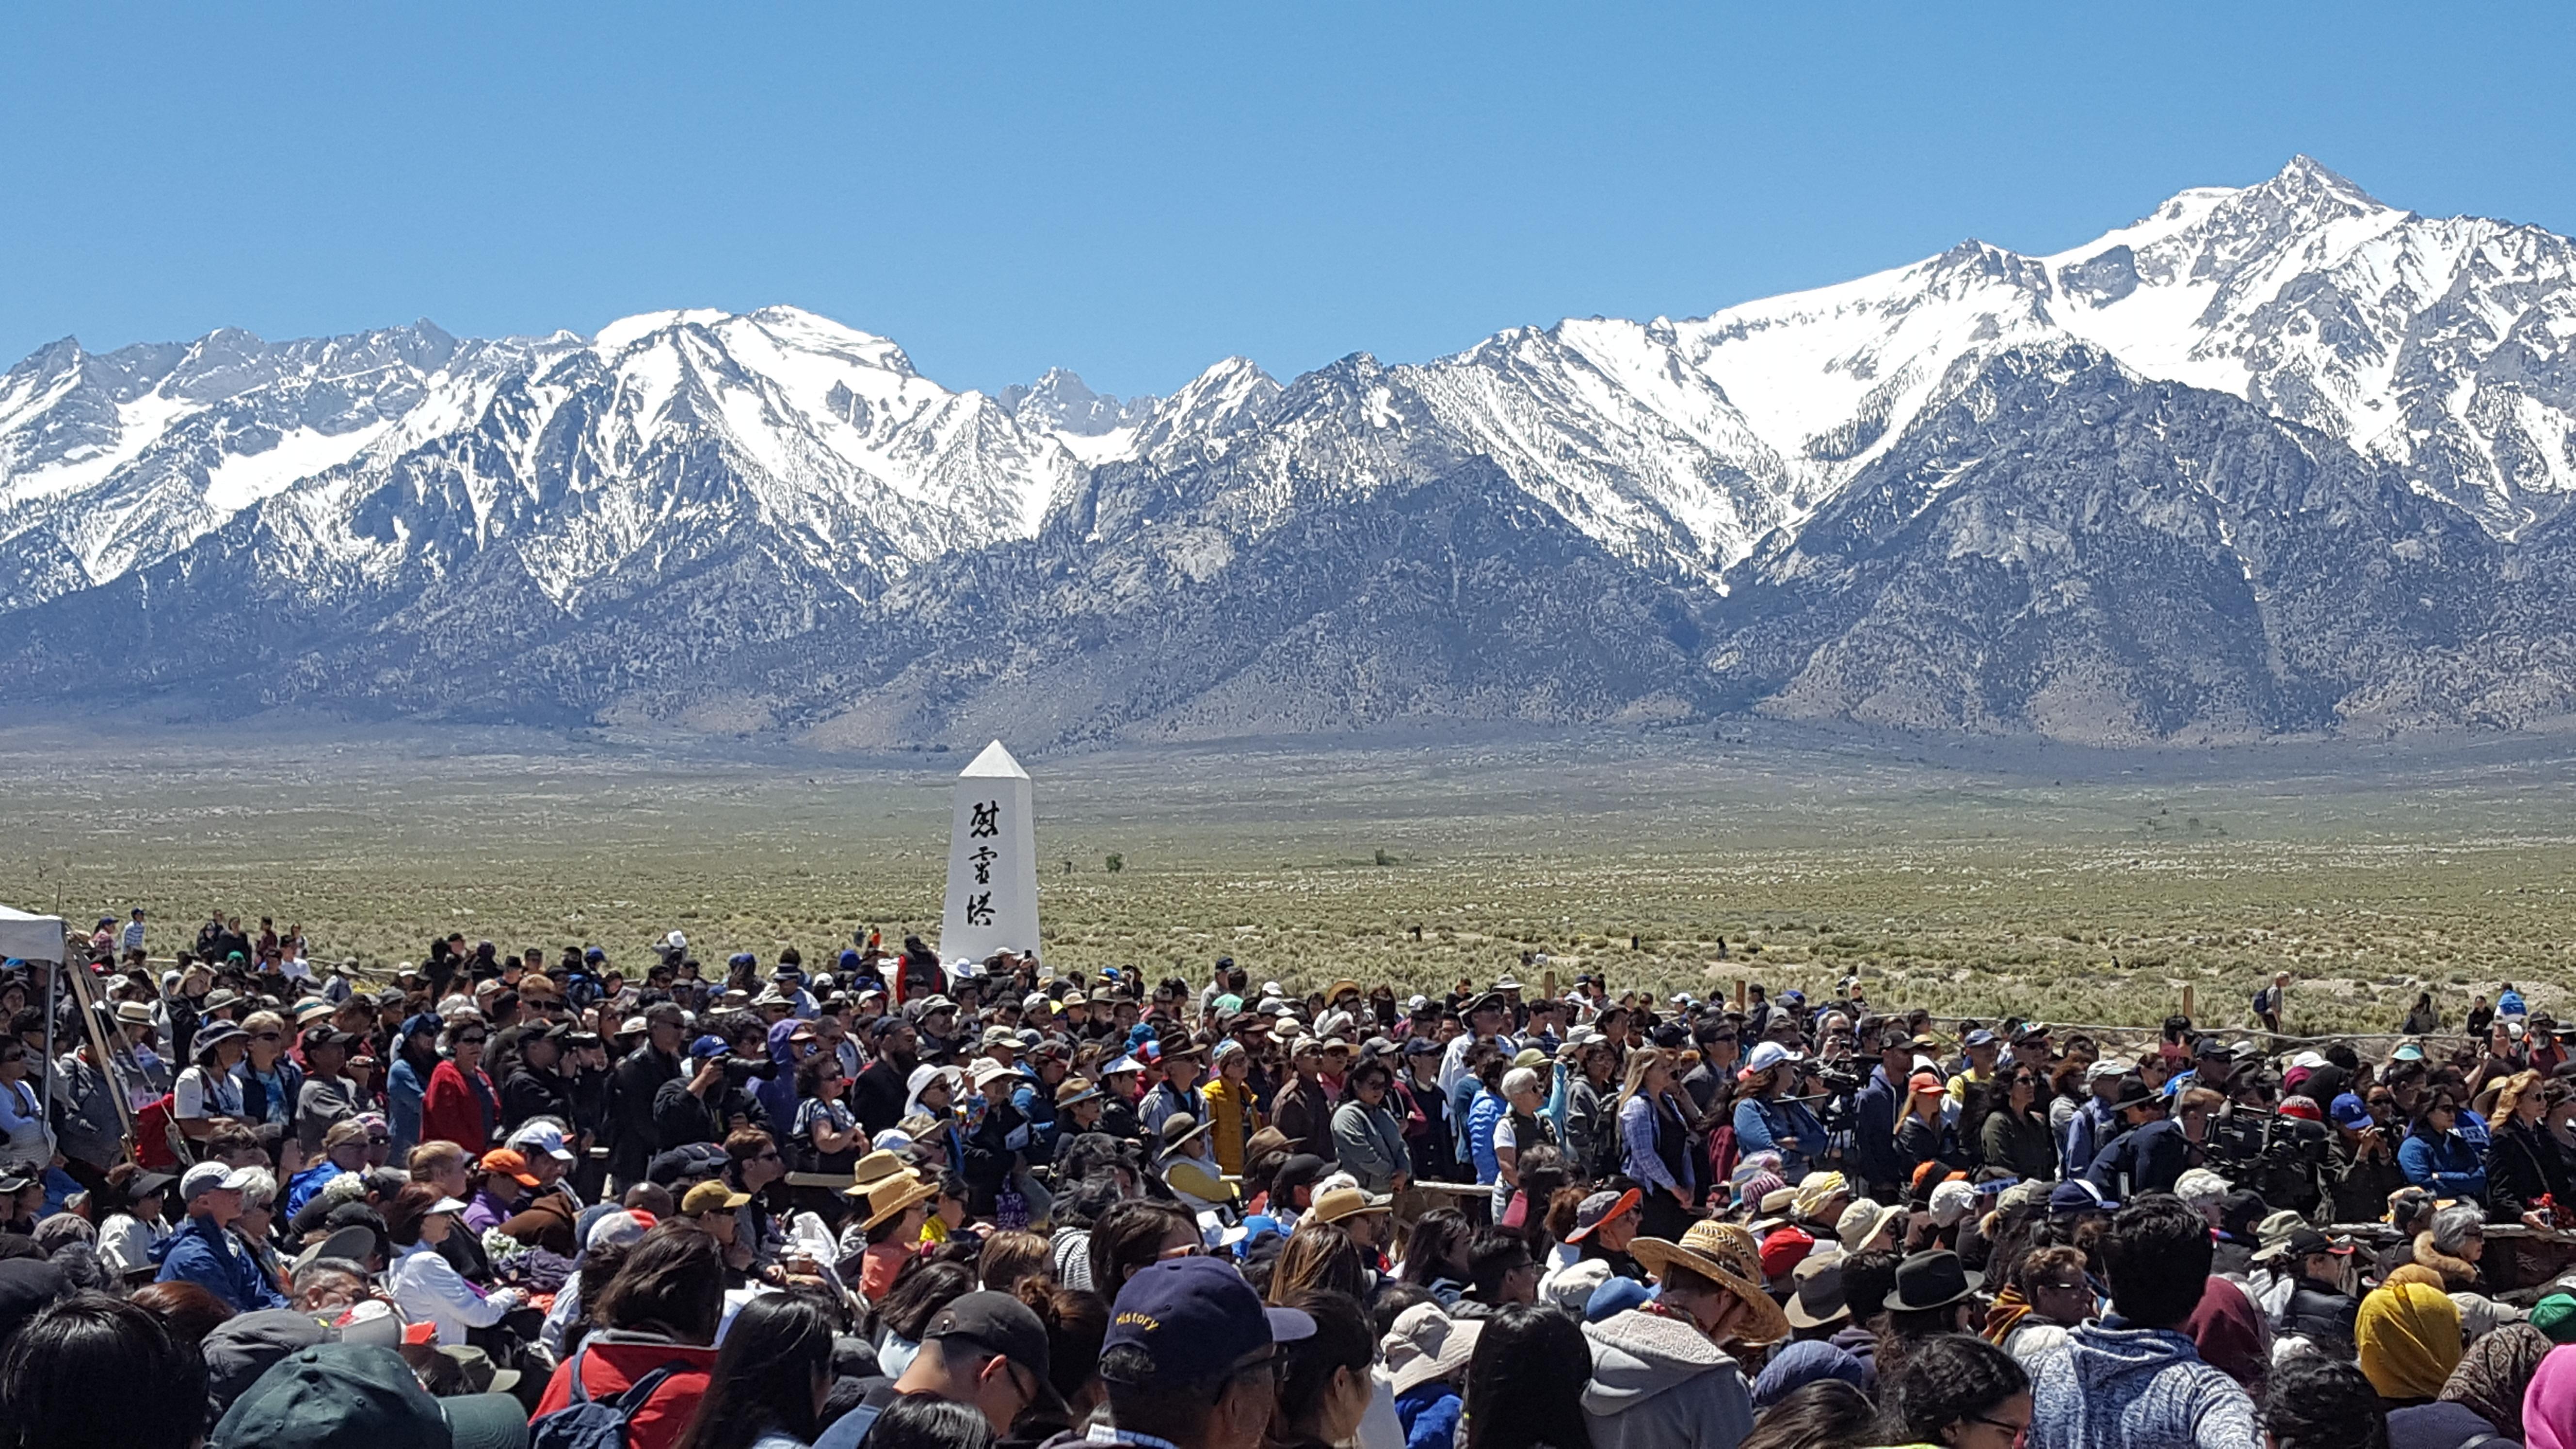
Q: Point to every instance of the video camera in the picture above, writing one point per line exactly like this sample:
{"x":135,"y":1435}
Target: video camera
{"x":2249,"y":1140}
{"x":739,"y":1071}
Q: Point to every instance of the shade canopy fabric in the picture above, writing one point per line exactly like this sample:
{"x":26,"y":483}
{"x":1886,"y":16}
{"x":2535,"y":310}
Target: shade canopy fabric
{"x":30,"y":938}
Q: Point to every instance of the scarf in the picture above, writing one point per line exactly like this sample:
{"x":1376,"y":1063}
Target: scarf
{"x":2409,"y":1336}
{"x":2549,"y":1405}
{"x":2005,"y":1314}
{"x":2229,"y":1333}
{"x":2494,"y":1373}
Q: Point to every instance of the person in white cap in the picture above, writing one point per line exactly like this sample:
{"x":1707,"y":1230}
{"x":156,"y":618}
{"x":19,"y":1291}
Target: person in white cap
{"x":204,"y":1250}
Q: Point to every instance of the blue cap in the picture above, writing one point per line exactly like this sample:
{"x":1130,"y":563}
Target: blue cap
{"x":2350,"y":1111}
{"x":741,"y":958}
{"x":593,"y":954}
{"x":1198,"y":1318}
{"x":849,"y":959}
{"x":706,"y":1046}
{"x":1616,"y":1295}
{"x":1980,"y":1037}
{"x":2079,"y":1196}
{"x":426,"y":1021}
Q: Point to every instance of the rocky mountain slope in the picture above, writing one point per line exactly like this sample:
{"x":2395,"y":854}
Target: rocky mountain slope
{"x":2273,"y":459}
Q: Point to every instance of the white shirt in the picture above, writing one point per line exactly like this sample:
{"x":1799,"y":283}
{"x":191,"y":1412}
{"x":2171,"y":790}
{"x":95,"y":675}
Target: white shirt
{"x":428,"y":1290}
{"x":200,"y":1093}
{"x":125,"y":1242}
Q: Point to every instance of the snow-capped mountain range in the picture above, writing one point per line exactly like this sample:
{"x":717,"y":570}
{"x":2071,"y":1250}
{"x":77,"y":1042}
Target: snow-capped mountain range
{"x":648,"y":520}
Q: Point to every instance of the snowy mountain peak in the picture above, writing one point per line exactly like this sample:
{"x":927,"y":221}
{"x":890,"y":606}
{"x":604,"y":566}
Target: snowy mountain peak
{"x":1060,"y":402}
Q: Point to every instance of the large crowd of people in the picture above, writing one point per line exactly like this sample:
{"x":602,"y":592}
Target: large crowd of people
{"x":541,"y":1198}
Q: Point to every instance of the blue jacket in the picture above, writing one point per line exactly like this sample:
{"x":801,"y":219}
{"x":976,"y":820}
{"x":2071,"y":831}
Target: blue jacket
{"x":1874,"y":1130}
{"x":1429,"y":1414}
{"x":2447,"y":1164}
{"x":1762,"y":1126}
{"x":403,"y":1091}
{"x":1487,"y":1110}
{"x":206,"y":1255}
{"x":303,"y":1186}
{"x":2091,"y":1126}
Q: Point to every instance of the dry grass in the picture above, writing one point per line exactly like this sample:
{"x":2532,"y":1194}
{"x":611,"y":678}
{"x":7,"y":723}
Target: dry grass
{"x":2057,"y":884}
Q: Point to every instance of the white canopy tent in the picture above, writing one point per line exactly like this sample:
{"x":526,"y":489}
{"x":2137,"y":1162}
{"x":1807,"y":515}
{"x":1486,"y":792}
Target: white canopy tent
{"x":30,"y":938}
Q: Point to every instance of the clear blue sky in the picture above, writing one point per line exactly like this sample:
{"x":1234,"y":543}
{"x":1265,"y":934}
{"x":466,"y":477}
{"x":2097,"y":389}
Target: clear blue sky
{"x":1134,"y":191}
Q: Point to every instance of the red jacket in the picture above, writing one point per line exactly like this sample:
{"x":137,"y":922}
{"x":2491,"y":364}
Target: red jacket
{"x":610,"y":1363}
{"x":452,"y":1110}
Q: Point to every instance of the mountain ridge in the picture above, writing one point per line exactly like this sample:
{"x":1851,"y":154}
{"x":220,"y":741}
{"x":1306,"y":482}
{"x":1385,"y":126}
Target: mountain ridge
{"x":1955,"y":495}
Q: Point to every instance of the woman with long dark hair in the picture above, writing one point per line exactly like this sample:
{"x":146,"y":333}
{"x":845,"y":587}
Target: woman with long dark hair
{"x":661,"y":1309}
{"x":1135,"y":1234}
{"x":1435,"y":1257}
{"x":1324,"y":1388}
{"x":770,"y":1378}
{"x":2015,"y":1134}
{"x":1525,"y":1382}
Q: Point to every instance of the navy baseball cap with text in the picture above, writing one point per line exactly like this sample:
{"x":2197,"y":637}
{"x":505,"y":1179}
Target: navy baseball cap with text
{"x":1197,"y":1317}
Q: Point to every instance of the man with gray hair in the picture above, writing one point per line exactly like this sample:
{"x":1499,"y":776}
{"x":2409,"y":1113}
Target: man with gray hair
{"x":204,"y":1250}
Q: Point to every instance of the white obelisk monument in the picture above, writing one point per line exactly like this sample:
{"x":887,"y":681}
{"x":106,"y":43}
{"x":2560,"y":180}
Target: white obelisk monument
{"x":992,"y":862}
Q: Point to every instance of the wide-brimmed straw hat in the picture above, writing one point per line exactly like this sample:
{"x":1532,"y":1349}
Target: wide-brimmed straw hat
{"x":879,"y":1166}
{"x":1726,"y":1255}
{"x":892,"y":1197}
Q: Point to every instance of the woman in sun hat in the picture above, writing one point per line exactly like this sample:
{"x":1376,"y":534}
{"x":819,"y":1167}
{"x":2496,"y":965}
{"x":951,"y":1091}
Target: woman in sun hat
{"x":896,"y":1206}
{"x":1663,"y":1373}
{"x":1426,"y":1353}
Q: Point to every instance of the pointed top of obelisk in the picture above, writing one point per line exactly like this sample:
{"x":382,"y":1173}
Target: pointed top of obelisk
{"x":994,"y":764}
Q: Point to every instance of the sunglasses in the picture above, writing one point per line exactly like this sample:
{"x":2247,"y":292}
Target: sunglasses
{"x":265,"y":1036}
{"x":469,"y":1041}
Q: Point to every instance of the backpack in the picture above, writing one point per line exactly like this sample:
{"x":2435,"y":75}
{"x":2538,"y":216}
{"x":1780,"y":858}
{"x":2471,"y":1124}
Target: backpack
{"x":588,"y":1423}
{"x":154,"y":1128}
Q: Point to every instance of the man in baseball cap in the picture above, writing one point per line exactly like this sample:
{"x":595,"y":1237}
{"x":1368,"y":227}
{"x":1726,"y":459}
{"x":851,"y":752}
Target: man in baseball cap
{"x":1191,"y":1356}
{"x":204,"y":1250}
{"x":986,"y":1350}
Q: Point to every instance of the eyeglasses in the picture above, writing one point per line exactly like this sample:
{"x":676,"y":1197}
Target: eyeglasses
{"x":2020,"y":1432}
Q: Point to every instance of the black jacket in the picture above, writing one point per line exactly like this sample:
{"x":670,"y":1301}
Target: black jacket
{"x":2317,"y":1310}
{"x":631,"y":1086}
{"x":681,"y":1116}
{"x":531,"y":1093}
{"x":877,"y":1097}
{"x":2523,"y":1163}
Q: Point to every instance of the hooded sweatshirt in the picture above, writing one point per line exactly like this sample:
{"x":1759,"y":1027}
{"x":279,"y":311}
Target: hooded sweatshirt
{"x":2116,"y":1387}
{"x":1658,"y":1383}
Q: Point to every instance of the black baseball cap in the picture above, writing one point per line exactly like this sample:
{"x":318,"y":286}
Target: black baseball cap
{"x":1197,"y":1317}
{"x":2308,"y":1242}
{"x":1001,"y":1324}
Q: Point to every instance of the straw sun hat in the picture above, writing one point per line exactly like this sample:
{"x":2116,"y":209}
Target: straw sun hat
{"x":1726,"y":1255}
